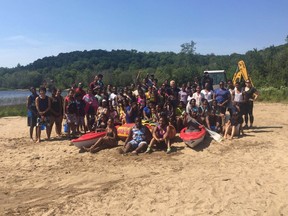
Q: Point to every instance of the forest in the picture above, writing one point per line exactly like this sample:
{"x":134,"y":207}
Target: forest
{"x":267,"y":67}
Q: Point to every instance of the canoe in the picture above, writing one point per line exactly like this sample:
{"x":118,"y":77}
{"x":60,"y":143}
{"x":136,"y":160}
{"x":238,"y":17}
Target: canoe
{"x":192,"y":138}
{"x":88,"y":139}
{"x":123,"y":130}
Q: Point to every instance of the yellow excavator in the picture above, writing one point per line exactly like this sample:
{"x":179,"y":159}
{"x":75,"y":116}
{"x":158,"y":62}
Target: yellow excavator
{"x":241,"y":73}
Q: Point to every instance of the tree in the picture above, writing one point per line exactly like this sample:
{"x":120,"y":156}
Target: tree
{"x":286,"y":39}
{"x":188,"y":48}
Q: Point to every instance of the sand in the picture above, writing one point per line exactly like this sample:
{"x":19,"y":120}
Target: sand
{"x":245,"y":176}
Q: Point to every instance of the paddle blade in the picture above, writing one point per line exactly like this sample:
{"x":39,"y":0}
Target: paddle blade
{"x":217,"y":137}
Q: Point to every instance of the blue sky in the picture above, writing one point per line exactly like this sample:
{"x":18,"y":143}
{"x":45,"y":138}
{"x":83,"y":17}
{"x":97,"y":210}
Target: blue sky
{"x":33,"y":29}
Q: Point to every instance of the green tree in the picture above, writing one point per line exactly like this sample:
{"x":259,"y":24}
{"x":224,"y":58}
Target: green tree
{"x":188,"y":48}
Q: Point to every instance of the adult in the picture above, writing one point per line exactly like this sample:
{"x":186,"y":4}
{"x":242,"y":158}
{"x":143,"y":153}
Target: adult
{"x":198,"y":96}
{"x":207,"y":79}
{"x":32,"y":111}
{"x":232,"y":126}
{"x":231,"y":88}
{"x":43,"y":105}
{"x":56,"y":112}
{"x":70,"y":110}
{"x":94,"y":85}
{"x":222,"y":95}
{"x":61,"y":99}
{"x":110,"y":140}
{"x":207,"y":93}
{"x":91,"y":106}
{"x":80,"y":90}
{"x":147,"y":114}
{"x":250,"y":95}
{"x":113,"y":97}
{"x":183,"y":95}
{"x":161,"y":135}
{"x":138,"y":138}
{"x":131,"y":112}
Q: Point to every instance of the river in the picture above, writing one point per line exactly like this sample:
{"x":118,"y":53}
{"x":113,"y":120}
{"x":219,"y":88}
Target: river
{"x":15,"y":97}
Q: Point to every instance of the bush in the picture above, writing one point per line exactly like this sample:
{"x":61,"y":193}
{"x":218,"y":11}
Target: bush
{"x":273,"y":94}
{"x":13,"y":110}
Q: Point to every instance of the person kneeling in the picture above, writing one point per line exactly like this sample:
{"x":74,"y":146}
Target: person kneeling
{"x":161,"y":135}
{"x":232,"y":126}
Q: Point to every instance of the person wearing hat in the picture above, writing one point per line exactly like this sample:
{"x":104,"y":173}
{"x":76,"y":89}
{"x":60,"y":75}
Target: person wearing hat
{"x":250,"y":95}
{"x":79,"y":90}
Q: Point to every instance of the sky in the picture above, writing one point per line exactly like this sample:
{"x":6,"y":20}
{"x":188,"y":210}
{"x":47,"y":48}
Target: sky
{"x":33,"y":29}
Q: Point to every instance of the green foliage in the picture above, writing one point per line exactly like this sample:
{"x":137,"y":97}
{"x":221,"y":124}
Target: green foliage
{"x":14,"y":110}
{"x":188,"y":48}
{"x":273,"y":94}
{"x":268,"y":67}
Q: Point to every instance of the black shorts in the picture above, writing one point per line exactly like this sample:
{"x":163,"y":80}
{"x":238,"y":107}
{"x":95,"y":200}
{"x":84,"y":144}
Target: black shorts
{"x":32,"y":121}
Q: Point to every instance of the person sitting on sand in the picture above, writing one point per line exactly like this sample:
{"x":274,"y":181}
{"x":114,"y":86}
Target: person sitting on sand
{"x":161,"y":135}
{"x":110,"y":140}
{"x":138,"y":138}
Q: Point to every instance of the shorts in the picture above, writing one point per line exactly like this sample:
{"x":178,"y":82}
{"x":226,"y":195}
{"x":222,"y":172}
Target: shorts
{"x":43,"y":121}
{"x":71,"y":118}
{"x":32,"y":120}
{"x":135,"y":144}
{"x":80,"y":120}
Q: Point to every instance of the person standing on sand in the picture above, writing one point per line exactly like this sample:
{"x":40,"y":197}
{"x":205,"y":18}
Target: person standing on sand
{"x":32,"y":111}
{"x":43,"y":105}
{"x":110,"y":140}
{"x":222,"y":95}
{"x":61,"y":100}
{"x":56,"y":112}
{"x":138,"y":138}
{"x":70,"y":110}
{"x":250,"y":95}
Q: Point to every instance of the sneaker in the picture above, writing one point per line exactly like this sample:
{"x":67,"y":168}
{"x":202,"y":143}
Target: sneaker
{"x":148,"y":150}
{"x":168,"y":151}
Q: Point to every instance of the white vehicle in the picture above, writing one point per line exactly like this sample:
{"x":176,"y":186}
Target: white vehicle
{"x":217,"y":76}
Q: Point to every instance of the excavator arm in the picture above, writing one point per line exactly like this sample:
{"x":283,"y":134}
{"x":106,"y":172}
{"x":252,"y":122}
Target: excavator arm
{"x":241,"y":73}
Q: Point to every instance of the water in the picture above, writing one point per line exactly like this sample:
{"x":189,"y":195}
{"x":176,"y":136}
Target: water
{"x":13,"y":97}
{"x":16,"y":97}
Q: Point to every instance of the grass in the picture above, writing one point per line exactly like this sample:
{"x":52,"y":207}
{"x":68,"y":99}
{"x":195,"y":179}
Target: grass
{"x":13,"y":110}
{"x":272,"y":94}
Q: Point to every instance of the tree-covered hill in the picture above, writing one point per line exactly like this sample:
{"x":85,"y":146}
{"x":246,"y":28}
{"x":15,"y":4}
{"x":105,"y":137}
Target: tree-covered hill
{"x":268,"y":67}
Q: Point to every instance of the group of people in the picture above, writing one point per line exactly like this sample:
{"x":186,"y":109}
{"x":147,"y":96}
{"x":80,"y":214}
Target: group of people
{"x":100,"y":107}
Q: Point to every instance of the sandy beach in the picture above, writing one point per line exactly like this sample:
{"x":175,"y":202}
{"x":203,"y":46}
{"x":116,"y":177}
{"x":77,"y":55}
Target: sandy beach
{"x":243,"y":176}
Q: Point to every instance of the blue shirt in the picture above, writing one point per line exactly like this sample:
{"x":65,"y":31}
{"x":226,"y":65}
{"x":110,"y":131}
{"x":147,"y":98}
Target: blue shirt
{"x":221,"y":95}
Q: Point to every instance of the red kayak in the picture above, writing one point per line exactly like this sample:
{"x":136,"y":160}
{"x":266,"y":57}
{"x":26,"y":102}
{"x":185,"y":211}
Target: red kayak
{"x":88,"y":139}
{"x":192,"y":138}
